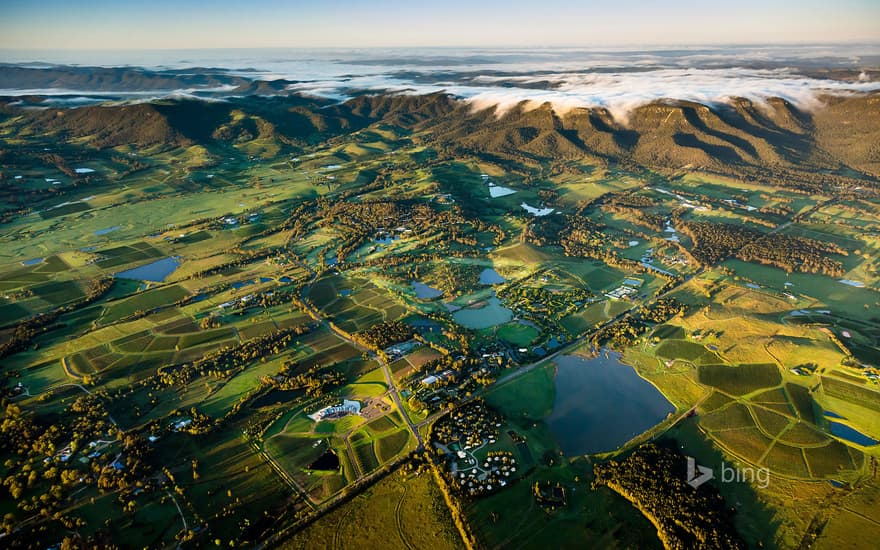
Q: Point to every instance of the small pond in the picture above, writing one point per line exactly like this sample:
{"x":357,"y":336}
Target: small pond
{"x":426,"y":292}
{"x":106,"y":230}
{"x":493,"y":313}
{"x":845,"y":432}
{"x":327,"y":461}
{"x":491,"y":277}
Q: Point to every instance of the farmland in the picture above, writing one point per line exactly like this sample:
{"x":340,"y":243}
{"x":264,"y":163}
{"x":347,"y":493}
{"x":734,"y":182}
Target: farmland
{"x":356,"y":339}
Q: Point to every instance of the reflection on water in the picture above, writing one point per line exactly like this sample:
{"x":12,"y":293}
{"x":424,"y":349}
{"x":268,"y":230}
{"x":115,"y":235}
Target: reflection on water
{"x":601,"y":404}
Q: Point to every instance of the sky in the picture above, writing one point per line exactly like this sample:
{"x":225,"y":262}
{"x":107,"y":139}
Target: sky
{"x":195,"y":24}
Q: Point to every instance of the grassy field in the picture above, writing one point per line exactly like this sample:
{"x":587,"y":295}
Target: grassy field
{"x":528,"y":396}
{"x":397,"y":512}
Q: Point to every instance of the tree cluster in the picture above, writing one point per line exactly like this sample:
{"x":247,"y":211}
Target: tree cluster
{"x":653,"y":480}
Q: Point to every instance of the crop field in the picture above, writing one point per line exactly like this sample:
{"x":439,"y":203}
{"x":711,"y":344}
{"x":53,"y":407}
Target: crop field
{"x":744,"y":380}
{"x":398,"y":511}
{"x":354,"y":304}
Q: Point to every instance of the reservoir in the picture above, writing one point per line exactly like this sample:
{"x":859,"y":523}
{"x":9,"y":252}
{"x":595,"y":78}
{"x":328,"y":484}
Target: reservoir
{"x":845,"y":432}
{"x":154,"y":272}
{"x":426,"y":292}
{"x":601,"y":404}
{"x":490,"y":277}
{"x":487,"y":316}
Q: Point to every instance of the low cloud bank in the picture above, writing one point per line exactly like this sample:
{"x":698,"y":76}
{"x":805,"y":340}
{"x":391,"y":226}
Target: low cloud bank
{"x":617,"y":80}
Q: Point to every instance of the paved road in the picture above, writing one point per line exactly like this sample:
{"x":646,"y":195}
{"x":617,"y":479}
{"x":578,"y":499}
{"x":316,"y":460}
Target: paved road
{"x":392,"y":387}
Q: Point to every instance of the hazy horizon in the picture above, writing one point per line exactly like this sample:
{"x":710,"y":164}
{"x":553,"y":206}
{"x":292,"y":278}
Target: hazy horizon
{"x":194,"y":24}
{"x":617,"y":79}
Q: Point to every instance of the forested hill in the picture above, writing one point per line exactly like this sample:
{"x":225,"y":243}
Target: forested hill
{"x":772,"y":139}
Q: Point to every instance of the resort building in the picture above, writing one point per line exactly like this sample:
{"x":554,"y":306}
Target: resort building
{"x":337,"y":411}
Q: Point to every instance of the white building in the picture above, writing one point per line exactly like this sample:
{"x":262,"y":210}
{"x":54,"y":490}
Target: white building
{"x":346,"y":408}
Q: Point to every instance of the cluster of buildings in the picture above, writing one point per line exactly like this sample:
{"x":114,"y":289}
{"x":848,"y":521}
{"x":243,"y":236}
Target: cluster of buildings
{"x":629,"y":288}
{"x":490,"y":476}
{"x":432,"y":379}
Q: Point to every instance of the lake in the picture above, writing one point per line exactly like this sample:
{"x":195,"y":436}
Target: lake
{"x":601,"y":404}
{"x":490,"y":277}
{"x":487,"y":316}
{"x":426,"y":292}
{"x":154,"y":272}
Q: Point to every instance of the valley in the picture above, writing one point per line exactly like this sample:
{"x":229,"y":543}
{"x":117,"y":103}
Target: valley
{"x":264,"y":320}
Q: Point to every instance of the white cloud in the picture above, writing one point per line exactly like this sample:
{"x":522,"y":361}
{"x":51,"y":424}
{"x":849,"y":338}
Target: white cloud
{"x":618,"y":80}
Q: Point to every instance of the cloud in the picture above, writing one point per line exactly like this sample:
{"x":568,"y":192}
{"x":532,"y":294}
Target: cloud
{"x":619,"y":80}
{"x":619,"y":92}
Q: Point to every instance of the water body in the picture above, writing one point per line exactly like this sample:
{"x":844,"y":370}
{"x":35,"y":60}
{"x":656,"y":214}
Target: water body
{"x":845,"y":432}
{"x":426,"y":292}
{"x":601,"y":404}
{"x":106,"y":230}
{"x":154,"y":272}
{"x":487,"y":316}
{"x":491,"y":277}
{"x":35,"y":261}
{"x":536,"y":211}
{"x":386,"y":240}
{"x":423,"y":324}
{"x":496,"y":191}
{"x":850,"y":282}
{"x":327,"y":461}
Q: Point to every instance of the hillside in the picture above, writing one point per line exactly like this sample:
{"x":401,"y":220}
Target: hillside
{"x":739,"y":137}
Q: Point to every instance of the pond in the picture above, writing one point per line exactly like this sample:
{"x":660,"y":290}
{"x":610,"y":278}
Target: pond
{"x":426,"y":292}
{"x":490,"y":277}
{"x":35,"y":261}
{"x":487,"y":316}
{"x":423,"y":324}
{"x":106,"y":230}
{"x":154,"y":272}
{"x":496,"y":191}
{"x":536,"y":211}
{"x":386,"y":240}
{"x":327,"y":461}
{"x":601,"y":404}
{"x":845,"y":432}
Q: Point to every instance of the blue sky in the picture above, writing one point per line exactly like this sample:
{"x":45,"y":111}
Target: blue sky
{"x":145,"y":24}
